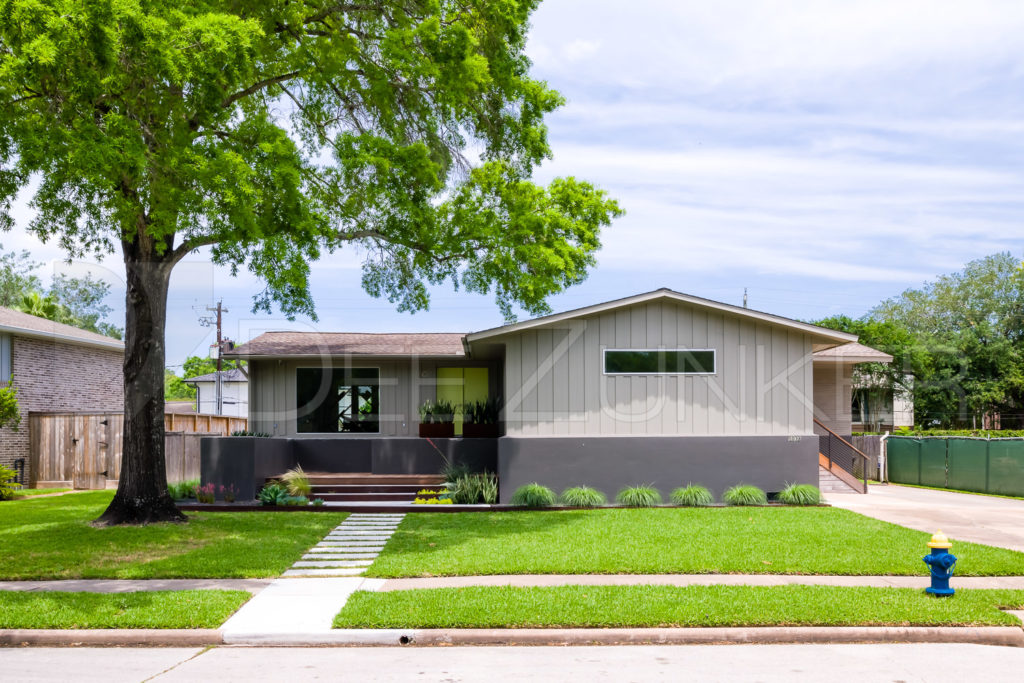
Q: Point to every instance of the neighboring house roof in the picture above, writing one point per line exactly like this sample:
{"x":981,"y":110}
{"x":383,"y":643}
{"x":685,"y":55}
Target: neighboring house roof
{"x":231,"y":375}
{"x":825,"y":337}
{"x":25,"y":325}
{"x":852,"y":353}
{"x":314,"y":344}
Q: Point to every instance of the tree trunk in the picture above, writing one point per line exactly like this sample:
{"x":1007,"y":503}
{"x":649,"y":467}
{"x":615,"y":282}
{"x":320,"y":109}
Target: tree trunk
{"x":142,"y":496}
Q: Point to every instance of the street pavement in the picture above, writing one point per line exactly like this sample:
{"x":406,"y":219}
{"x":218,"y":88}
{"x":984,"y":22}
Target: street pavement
{"x":961,"y":516}
{"x":767,"y":663}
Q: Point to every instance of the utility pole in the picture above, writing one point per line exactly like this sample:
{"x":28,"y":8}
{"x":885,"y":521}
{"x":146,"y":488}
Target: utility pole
{"x":744,"y":297}
{"x":219,"y":310}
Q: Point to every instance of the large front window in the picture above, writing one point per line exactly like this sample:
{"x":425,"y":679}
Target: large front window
{"x":338,"y":400}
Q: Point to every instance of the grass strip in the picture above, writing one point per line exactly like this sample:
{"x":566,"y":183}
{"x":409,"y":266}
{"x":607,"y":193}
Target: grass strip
{"x":52,"y":538}
{"x":782,"y":540}
{"x":970,"y":493}
{"x":29,"y":493}
{"x":150,"y":609}
{"x":664,"y":606}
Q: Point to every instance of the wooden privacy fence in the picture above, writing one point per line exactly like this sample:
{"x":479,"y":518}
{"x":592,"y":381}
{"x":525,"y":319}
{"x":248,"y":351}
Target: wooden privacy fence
{"x":83,"y":450}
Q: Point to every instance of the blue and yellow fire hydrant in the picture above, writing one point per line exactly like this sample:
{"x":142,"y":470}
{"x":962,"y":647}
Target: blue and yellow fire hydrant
{"x":941,"y":562}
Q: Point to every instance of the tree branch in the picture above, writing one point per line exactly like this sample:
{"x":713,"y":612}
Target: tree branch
{"x":256,"y":87}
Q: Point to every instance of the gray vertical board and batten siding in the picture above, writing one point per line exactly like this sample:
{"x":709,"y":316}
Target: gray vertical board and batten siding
{"x":763,"y":381}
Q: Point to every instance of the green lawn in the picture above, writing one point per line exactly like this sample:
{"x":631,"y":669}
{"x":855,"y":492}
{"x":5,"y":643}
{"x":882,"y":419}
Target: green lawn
{"x":51,"y":538}
{"x":157,"y":609}
{"x":774,"y":540}
{"x":639,"y":606}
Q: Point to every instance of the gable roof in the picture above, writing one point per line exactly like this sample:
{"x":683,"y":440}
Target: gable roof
{"x":824,"y":337}
{"x":230,"y":375}
{"x":25,"y":325}
{"x":315,"y":344}
{"x":852,"y":353}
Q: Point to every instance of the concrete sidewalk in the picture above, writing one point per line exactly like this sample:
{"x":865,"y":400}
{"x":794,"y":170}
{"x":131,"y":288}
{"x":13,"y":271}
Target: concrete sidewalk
{"x":961,"y":516}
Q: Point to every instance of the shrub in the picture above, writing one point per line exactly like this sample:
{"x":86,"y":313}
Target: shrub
{"x":295,"y":500}
{"x":800,"y":494}
{"x":454,"y":471}
{"x":245,"y":432}
{"x":7,"y":483}
{"x":438,"y":412}
{"x":229,"y":493}
{"x":471,"y":489}
{"x":273,"y":494}
{"x":692,"y":496}
{"x":206,"y":494}
{"x":583,"y":497}
{"x":297,"y":482}
{"x":183,"y":490}
{"x":533,"y":496}
{"x":638,"y":497}
{"x":482,"y":412}
{"x":317,"y":502}
{"x":744,"y":494}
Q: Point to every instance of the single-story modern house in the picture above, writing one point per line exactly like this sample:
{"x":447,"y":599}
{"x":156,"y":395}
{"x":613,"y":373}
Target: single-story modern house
{"x":55,"y":367}
{"x":234,"y":387}
{"x":660,"y":388}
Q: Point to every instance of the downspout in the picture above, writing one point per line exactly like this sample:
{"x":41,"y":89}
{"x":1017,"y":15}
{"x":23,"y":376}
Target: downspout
{"x":883,"y":460}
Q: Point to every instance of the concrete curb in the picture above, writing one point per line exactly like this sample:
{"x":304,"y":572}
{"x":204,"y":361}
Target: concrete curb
{"x":1009,"y":636}
{"x":1006,"y":636}
{"x":142,"y":637}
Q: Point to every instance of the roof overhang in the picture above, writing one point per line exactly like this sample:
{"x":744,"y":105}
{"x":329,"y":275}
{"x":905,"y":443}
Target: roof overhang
{"x":823,"y":338}
{"x":112,"y":345}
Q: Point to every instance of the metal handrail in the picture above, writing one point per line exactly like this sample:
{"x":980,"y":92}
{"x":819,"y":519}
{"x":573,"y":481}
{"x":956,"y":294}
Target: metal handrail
{"x":842,"y":453}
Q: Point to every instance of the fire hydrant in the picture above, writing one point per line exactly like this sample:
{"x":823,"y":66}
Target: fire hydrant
{"x":941,"y":563}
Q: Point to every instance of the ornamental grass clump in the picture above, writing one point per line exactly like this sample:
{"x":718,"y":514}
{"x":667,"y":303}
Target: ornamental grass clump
{"x":692,"y":496}
{"x":744,"y":494}
{"x":583,"y":497}
{"x":297,"y":482}
{"x":472,"y":489}
{"x":533,"y":496}
{"x":800,"y":494}
{"x":639,"y":497}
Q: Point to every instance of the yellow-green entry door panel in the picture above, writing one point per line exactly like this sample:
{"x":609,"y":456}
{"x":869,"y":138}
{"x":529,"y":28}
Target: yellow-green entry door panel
{"x":461,"y":386}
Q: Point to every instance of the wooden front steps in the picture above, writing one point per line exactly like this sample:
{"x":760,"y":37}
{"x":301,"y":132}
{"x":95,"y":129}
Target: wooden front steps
{"x":365,"y":487}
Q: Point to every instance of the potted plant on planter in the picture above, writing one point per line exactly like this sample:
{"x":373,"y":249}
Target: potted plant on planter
{"x":437,"y":419}
{"x":480,"y":419}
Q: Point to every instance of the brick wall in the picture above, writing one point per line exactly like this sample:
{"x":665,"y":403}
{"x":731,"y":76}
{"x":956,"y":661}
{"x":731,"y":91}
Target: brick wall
{"x":52,"y":376}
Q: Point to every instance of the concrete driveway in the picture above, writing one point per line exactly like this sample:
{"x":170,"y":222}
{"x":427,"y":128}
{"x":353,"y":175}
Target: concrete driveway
{"x":961,"y":516}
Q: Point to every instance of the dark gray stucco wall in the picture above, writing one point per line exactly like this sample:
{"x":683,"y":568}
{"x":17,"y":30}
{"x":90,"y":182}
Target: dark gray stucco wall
{"x":247,"y":462}
{"x":666,"y":462}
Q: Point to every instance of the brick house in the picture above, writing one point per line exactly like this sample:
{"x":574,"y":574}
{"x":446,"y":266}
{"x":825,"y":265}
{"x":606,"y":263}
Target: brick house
{"x":55,"y":367}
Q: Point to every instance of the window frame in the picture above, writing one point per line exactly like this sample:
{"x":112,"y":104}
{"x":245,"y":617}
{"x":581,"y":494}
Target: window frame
{"x":604,"y":363}
{"x":331,"y":369}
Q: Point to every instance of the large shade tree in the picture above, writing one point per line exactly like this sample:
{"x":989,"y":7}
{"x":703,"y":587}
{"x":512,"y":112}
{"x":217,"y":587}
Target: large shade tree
{"x":273,"y":132}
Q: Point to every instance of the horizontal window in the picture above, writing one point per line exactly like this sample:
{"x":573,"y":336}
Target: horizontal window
{"x":338,"y":400}
{"x":659,"y":362}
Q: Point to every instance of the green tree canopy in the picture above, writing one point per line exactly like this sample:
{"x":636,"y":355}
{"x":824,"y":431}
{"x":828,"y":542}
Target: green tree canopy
{"x":275,"y":131}
{"x":961,"y":337}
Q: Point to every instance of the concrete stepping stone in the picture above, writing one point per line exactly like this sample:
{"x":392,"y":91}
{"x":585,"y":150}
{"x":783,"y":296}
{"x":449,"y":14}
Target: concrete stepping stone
{"x":323,"y":564}
{"x":346,"y":549}
{"x":338,"y":571}
{"x":340,"y":556}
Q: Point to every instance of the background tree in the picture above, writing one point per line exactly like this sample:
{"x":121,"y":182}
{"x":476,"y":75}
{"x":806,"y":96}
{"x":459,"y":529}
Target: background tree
{"x":17,"y":277}
{"x":77,"y":301}
{"x":194,"y":366}
{"x":272,"y":131}
{"x":962,"y":339}
{"x":10,"y":416}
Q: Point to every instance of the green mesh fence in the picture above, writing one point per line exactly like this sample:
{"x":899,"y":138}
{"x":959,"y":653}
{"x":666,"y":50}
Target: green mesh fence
{"x":981,"y":465}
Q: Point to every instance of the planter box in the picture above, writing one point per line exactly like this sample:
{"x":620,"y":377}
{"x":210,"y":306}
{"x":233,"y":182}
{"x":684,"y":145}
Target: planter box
{"x":475,"y":431}
{"x":437,"y":430}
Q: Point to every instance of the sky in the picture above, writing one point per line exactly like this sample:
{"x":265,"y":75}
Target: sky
{"x":825,"y":155}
